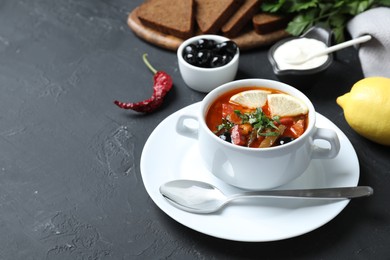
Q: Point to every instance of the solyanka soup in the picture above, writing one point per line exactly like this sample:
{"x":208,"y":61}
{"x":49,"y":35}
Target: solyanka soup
{"x":249,"y":111}
{"x":257,"y":117}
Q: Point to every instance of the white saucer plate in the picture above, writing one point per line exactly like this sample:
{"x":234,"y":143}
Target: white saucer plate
{"x":168,"y":156}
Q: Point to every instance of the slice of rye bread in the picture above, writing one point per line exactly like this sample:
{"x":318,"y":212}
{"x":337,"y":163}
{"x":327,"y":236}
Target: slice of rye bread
{"x":175,"y":19}
{"x":241,"y":18}
{"x":264,"y":23}
{"x":211,"y":15}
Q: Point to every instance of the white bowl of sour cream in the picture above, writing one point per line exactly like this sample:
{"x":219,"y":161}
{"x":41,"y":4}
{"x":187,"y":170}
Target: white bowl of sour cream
{"x":304,"y":75}
{"x":297,"y":50}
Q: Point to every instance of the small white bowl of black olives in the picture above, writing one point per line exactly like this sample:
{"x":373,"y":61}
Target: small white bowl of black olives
{"x":208,"y":61}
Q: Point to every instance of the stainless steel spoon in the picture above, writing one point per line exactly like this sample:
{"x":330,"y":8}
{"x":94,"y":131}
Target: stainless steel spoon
{"x":200,"y":197}
{"x":331,"y":49}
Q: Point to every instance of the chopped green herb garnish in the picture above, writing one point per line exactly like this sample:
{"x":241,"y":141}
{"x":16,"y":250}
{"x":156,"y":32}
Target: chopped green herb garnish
{"x":259,"y":121}
{"x":226,"y":125}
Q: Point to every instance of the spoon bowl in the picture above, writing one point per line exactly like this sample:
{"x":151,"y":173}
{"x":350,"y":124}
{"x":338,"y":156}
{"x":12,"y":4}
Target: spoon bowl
{"x":200,"y":197}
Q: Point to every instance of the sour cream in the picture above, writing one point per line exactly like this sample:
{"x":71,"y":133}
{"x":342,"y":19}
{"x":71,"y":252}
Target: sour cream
{"x":298,"y":49}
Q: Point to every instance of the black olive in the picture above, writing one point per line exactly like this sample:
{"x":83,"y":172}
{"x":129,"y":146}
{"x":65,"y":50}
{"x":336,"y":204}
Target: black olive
{"x":190,"y":58}
{"x":216,"y":61}
{"x":228,"y":47}
{"x":226,"y":137}
{"x":205,"y":44}
{"x":226,"y":59}
{"x":285,"y":140}
{"x":203,"y":58}
{"x":191,"y":48}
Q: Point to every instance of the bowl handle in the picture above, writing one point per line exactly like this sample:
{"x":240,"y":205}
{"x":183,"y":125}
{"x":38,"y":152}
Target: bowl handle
{"x":184,"y":129}
{"x":331,"y":137}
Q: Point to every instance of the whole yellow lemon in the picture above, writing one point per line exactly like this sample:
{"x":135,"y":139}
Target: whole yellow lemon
{"x":367,"y":108}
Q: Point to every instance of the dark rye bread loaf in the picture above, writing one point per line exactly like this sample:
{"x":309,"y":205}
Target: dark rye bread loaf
{"x":264,"y":23}
{"x":211,"y":15}
{"x":176,"y":18}
{"x":240,"y":18}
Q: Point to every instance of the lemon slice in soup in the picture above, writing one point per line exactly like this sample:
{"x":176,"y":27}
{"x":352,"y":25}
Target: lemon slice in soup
{"x":286,"y":105}
{"x":251,"y":98}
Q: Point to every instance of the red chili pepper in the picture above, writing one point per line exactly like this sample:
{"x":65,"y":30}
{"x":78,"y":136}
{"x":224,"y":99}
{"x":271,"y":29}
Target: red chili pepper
{"x":162,"y":84}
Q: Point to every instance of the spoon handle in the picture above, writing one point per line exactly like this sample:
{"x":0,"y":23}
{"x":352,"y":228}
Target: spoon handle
{"x":343,"y":45}
{"x":326,"y":193}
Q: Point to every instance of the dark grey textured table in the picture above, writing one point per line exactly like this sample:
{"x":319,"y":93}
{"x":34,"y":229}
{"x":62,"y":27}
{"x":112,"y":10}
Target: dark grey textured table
{"x":70,"y":182}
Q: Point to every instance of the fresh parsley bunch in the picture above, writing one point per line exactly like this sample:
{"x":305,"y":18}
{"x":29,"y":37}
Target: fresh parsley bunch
{"x":331,"y":13}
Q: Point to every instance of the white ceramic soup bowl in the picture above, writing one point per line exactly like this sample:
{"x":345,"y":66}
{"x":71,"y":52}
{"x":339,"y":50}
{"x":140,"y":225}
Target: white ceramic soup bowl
{"x":206,"y":79}
{"x":258,"y":168}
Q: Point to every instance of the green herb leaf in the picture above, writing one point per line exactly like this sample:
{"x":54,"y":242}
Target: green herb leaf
{"x":298,"y":6}
{"x":272,"y":6}
{"x":333,"y":14}
{"x":225,"y":126}
{"x":383,"y":2}
{"x":269,"y":134}
{"x":299,"y":24}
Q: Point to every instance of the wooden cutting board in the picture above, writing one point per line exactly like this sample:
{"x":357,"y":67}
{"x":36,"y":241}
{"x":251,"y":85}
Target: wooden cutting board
{"x":246,"y":41}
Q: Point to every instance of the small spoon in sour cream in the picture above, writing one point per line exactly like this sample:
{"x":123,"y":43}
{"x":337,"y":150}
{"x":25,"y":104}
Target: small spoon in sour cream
{"x":300,"y":55}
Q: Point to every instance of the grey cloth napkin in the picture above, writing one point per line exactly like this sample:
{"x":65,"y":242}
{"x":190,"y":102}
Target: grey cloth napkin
{"x":374,"y":55}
